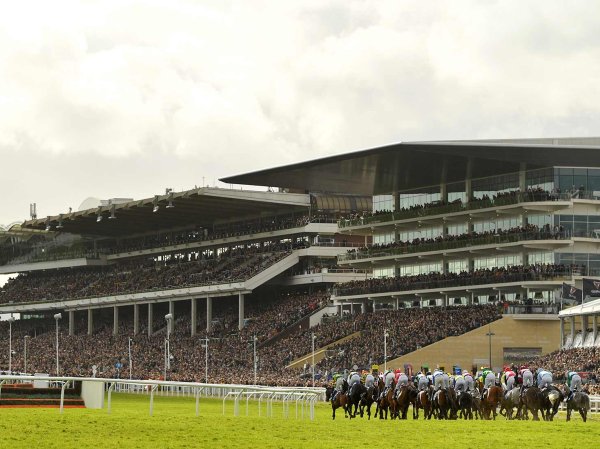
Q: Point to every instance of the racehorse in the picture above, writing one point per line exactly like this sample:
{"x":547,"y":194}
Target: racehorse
{"x":510,"y":400}
{"x":465,"y":405}
{"x":553,"y":397}
{"x":532,"y":400}
{"x":341,"y":400}
{"x":476,"y":404}
{"x":580,"y":402}
{"x":354,"y":396}
{"x":405,"y":396}
{"x":424,"y":403}
{"x":367,"y":400}
{"x":442,"y":403}
{"x":490,"y":402}
{"x":388,"y":402}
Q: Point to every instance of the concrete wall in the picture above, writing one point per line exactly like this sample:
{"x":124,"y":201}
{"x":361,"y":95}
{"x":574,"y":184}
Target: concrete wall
{"x":472,"y":348}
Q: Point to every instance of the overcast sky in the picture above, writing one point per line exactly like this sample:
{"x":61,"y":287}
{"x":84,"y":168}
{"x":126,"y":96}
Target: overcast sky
{"x":124,"y":98}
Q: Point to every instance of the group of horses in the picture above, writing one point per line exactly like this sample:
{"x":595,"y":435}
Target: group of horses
{"x":448,"y":404}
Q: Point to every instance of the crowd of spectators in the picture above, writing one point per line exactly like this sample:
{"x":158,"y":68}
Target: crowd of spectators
{"x":531,"y":232}
{"x":408,"y":330}
{"x":233,"y":265}
{"x":582,"y":360}
{"x":513,"y":273}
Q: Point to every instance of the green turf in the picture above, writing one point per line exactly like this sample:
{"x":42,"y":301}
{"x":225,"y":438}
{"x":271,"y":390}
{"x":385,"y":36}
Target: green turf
{"x":174,"y":425}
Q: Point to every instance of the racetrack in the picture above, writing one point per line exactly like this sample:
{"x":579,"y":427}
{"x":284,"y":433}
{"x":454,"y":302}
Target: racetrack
{"x":174,"y":425}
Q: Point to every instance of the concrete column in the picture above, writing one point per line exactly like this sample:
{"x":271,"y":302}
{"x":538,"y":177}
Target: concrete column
{"x":90,"y":321}
{"x":150,"y":319}
{"x":595,"y":327}
{"x":208,"y":314}
{"x":562,"y":332}
{"x":115,"y":320}
{"x":240,"y":311}
{"x":339,"y":309}
{"x":136,"y":319}
{"x":584,"y":327}
{"x":71,"y":322}
{"x":572,"y":319}
{"x":363,"y":306}
{"x":193,"y":316}
{"x":522,"y":176}
{"x":397,"y":305}
{"x":351,"y":308}
{"x":172,"y":312}
{"x":446,"y":304}
{"x":443,"y":191}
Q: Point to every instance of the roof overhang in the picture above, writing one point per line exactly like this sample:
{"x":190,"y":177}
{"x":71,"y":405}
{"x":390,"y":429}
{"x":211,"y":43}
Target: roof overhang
{"x":201,"y":207}
{"x":408,"y":165}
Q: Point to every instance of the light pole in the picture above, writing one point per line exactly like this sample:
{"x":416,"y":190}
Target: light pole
{"x":168,"y":317}
{"x":57,"y":317}
{"x":205,"y":340}
{"x":11,"y":319}
{"x":130,"y":361}
{"x":490,"y":334}
{"x":254,"y":340}
{"x":25,"y":353}
{"x":385,"y":337}
{"x":314,"y":337}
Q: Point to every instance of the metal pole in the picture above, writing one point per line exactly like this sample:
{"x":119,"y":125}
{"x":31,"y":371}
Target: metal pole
{"x":130,"y":361}
{"x":255,"y":362}
{"x":57,"y":367}
{"x":25,"y":353}
{"x":385,"y":336}
{"x":313,"y":358}
{"x":9,"y":346}
{"x":490,"y":334}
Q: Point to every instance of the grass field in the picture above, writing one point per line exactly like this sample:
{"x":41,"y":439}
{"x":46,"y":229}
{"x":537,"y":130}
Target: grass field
{"x":174,"y":425}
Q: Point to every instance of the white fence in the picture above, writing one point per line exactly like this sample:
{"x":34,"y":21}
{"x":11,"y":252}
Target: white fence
{"x":303,"y":399}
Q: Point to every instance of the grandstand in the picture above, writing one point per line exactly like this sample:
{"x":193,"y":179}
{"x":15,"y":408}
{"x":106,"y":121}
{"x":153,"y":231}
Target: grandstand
{"x":423,"y":242}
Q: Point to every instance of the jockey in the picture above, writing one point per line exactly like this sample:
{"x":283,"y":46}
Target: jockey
{"x":460,"y":385}
{"x":489,"y":379}
{"x":339,"y":385}
{"x":353,"y":379}
{"x":401,"y":381}
{"x":388,"y":379}
{"x":527,"y":379}
{"x":422,"y":382}
{"x":469,"y":381}
{"x":508,"y":379}
{"x":573,"y":383}
{"x":438,"y":380}
{"x":369,"y":380}
{"x":544,"y":379}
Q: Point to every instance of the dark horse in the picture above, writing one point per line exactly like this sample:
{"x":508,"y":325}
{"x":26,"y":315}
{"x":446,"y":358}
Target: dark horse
{"x":532,"y":401}
{"x":354,"y":396}
{"x":490,"y":402}
{"x":387,"y":402}
{"x":579,"y":402}
{"x":553,"y":397}
{"x":443,"y":404}
{"x":406,"y":395}
{"x":367,"y":400}
{"x":465,"y":405}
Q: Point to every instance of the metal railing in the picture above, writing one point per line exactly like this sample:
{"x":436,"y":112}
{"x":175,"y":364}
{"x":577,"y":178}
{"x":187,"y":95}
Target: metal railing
{"x":306,"y":397}
{"x":439,"y":208}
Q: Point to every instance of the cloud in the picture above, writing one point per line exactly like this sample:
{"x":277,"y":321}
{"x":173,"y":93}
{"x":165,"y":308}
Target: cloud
{"x":233,"y":86}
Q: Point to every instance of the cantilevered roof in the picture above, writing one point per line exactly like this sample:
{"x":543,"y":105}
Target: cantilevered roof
{"x":201,"y":207}
{"x":408,"y":165}
{"x":589,"y":308}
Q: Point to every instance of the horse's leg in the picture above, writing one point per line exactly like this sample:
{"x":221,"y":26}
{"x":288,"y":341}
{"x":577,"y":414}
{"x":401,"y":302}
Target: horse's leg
{"x":333,"y":407}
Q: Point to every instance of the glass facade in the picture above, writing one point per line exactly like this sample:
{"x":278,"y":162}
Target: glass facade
{"x":586,"y":179}
{"x":383,"y":203}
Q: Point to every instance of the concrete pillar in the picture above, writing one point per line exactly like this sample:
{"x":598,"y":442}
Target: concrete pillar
{"x":562,"y":332}
{"x":116,"y":320}
{"x":584,"y":328}
{"x":71,"y":322}
{"x":150,"y":319}
{"x":522,"y":176}
{"x":363,"y":306}
{"x":352,"y":308}
{"x":172,"y":312}
{"x":397,"y":305}
{"x":572,"y":320}
{"x":595,"y":327}
{"x":240,"y":311}
{"x":90,"y":321}
{"x":446,"y":304}
{"x":443,"y":191}
{"x":339,"y":309}
{"x":193,"y":316}
{"x":136,"y":319}
{"x":208,"y":314}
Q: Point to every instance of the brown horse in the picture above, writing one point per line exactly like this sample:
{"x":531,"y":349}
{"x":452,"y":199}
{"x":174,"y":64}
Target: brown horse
{"x":341,"y":400}
{"x":388,"y":402}
{"x":424,"y":403}
{"x":404,"y":398}
{"x":490,"y":402}
{"x":442,"y":403}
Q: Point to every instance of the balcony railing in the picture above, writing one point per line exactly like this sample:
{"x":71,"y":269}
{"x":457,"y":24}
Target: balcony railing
{"x":439,"y":209}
